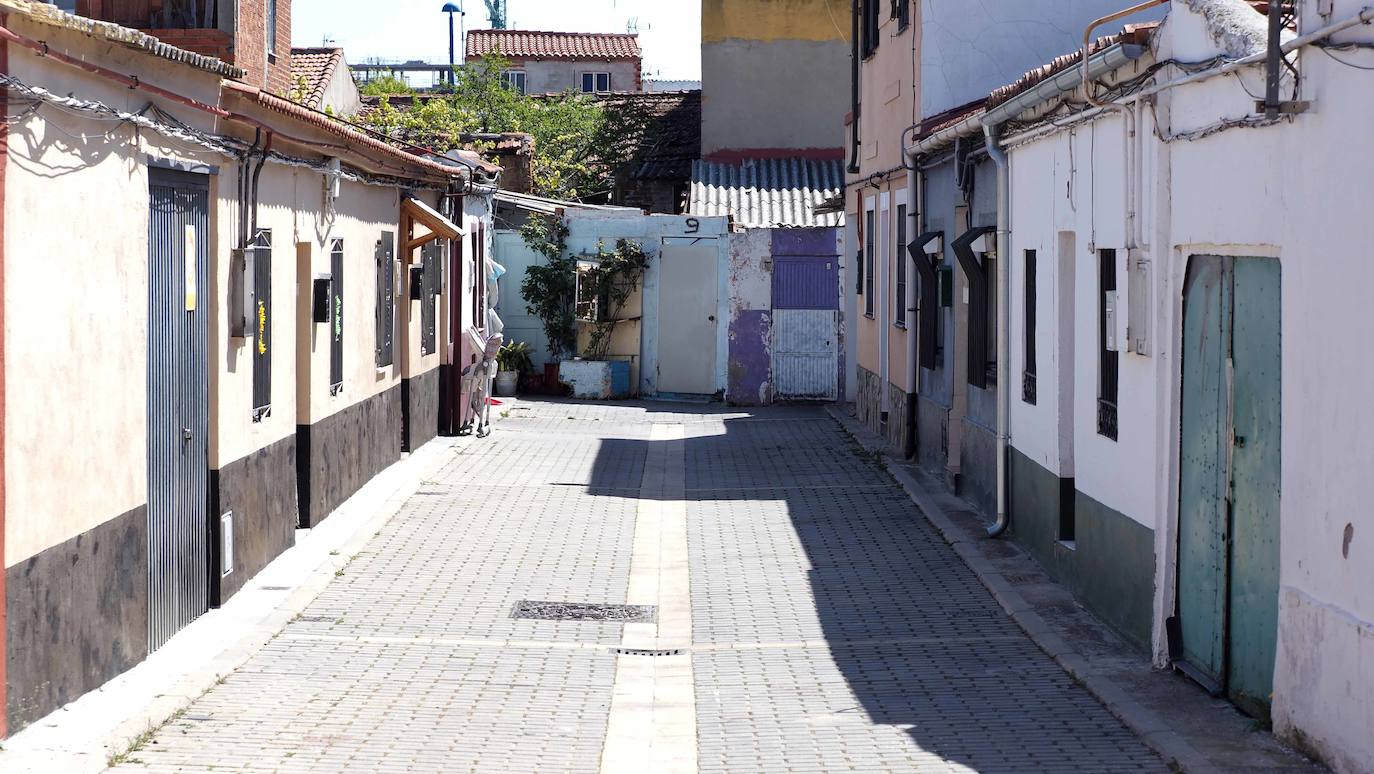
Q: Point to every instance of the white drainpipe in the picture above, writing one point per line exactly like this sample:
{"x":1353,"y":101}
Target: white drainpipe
{"x":1004,"y":373}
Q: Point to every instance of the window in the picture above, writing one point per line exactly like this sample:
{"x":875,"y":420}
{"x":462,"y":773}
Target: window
{"x":336,"y":274}
{"x":1106,"y":336}
{"x":479,"y":276}
{"x":429,"y":291}
{"x":1028,"y":374}
{"x":869,"y":27}
{"x":596,"y":82}
{"x":901,"y":11}
{"x":272,"y":31}
{"x":978,"y":258}
{"x":900,"y":259}
{"x":870,"y":240}
{"x":386,"y":298}
{"x":514,"y":80}
{"x":262,"y":323}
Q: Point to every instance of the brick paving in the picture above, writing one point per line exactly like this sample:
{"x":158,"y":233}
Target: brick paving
{"x":832,"y":630}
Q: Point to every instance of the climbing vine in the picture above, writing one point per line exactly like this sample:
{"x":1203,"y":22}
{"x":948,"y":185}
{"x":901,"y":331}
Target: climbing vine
{"x":550,"y":288}
{"x":604,"y":290}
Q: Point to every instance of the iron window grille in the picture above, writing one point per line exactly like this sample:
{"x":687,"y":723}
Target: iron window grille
{"x":1028,"y":372}
{"x":899,"y":285}
{"x":870,"y":22}
{"x":1107,"y":358}
{"x":261,"y":324}
{"x":901,"y":11}
{"x":336,"y":325}
{"x":870,"y":238}
{"x":429,"y":266}
{"x":386,"y":299}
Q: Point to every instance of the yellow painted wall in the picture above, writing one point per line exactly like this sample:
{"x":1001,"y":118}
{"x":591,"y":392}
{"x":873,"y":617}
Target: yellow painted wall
{"x":770,"y":20}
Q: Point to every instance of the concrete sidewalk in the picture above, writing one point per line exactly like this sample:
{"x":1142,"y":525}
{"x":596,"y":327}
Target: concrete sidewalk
{"x":1191,"y":730}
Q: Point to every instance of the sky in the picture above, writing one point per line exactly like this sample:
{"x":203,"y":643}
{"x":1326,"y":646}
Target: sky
{"x":669,"y":30}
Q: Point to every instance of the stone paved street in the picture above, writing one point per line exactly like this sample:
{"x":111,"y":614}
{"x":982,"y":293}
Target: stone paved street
{"x":808,"y":620}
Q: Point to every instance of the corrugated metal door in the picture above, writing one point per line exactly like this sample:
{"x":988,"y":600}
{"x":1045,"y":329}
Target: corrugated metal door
{"x":178,"y":403}
{"x":806,"y":319}
{"x":1230,"y":475}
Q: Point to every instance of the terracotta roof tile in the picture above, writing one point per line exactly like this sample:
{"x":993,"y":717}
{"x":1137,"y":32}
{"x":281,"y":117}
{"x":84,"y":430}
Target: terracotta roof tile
{"x":552,"y":45}
{"x":311,"y":68}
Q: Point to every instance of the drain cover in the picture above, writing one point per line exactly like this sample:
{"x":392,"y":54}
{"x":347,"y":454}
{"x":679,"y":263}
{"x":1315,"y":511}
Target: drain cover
{"x":580,"y":611}
{"x":647,"y":652}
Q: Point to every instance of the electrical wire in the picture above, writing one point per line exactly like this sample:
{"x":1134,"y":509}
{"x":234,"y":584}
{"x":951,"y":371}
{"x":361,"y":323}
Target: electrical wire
{"x":1338,"y":60}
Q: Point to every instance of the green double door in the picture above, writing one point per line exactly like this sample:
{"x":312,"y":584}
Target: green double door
{"x":1228,"y":553}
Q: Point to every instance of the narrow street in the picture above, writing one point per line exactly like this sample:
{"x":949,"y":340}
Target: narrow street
{"x":804,"y":618}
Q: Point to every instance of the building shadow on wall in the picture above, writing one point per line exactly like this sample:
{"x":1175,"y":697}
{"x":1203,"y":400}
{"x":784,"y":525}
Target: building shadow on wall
{"x":799,"y":536}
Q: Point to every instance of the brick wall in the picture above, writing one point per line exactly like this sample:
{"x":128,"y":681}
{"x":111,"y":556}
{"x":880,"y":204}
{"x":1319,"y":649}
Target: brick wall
{"x":250,"y":46}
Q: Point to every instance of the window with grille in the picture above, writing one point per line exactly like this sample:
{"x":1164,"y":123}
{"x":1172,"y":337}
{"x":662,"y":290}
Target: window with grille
{"x":262,"y":324}
{"x":336,"y":330}
{"x":901,"y":11}
{"x":870,"y":242}
{"x":1028,"y":372}
{"x":429,"y":292}
{"x":869,"y":24}
{"x":900,"y":259}
{"x":1107,"y":355}
{"x":386,"y":298}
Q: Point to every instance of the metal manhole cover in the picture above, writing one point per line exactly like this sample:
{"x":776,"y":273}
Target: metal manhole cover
{"x":581,"y":611}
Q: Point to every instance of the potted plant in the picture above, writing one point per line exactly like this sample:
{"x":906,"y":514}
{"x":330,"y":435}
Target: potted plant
{"x":605,"y":287}
{"x":512,"y":359}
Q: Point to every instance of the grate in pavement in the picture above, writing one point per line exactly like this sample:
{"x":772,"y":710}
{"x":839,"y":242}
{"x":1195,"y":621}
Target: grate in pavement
{"x":647,"y":652}
{"x":580,"y":611}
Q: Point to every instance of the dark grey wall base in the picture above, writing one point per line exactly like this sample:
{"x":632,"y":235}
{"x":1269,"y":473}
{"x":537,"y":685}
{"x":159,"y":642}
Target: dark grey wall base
{"x":978,"y":467}
{"x":261,"y":491}
{"x":869,"y":399}
{"x":898,"y":428}
{"x":1111,"y":564}
{"x":342,"y":452}
{"x":77,"y":616}
{"x":420,"y":407}
{"x":931,"y":433}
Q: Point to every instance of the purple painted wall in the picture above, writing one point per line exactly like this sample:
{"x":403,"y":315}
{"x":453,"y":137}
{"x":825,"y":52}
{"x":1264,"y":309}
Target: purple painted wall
{"x":749,"y":375}
{"x":804,"y":241}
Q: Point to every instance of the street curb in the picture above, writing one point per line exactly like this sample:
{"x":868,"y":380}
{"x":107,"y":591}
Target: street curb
{"x":1158,"y":735}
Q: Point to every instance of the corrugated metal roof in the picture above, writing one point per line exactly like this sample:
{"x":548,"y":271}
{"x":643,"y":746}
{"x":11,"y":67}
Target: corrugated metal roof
{"x":767,"y":192}
{"x":46,"y":13}
{"x":552,"y":45}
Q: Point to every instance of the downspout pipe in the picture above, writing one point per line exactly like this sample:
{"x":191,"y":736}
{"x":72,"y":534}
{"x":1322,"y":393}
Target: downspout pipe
{"x":854,"y":88}
{"x":993,"y":135}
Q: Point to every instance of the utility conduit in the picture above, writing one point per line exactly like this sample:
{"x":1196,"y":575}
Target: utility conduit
{"x":42,"y":49}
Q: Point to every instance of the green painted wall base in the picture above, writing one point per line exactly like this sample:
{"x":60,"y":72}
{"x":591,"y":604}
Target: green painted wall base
{"x":1110,"y":564}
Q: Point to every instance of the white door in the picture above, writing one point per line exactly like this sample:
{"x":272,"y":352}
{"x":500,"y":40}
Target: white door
{"x":806,"y":353}
{"x":687,"y":298}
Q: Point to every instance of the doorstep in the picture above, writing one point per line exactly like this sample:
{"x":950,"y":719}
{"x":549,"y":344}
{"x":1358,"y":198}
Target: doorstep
{"x":82,"y":735}
{"x":1192,"y":731}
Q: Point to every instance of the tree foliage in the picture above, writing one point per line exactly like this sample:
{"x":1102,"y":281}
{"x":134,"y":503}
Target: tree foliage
{"x":550,"y":288}
{"x":578,"y":142}
{"x":387,"y":85}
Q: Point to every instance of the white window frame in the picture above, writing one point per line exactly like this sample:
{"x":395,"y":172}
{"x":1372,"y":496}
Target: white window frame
{"x":510,"y":77}
{"x":596,"y":82}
